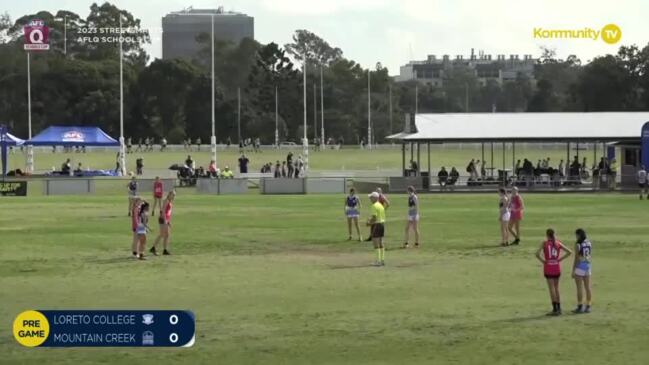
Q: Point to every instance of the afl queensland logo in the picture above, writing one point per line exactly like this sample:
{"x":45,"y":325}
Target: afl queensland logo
{"x":73,"y":136}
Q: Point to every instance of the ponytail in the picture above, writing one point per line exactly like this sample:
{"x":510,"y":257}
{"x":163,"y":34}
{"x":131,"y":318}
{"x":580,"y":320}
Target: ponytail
{"x":551,"y":236}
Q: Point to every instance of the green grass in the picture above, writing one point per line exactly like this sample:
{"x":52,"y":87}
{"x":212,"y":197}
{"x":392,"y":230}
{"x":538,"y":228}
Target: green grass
{"x":273,"y":281}
{"x":345,"y":159}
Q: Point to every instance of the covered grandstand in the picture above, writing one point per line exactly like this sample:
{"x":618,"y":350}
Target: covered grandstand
{"x":618,"y":133}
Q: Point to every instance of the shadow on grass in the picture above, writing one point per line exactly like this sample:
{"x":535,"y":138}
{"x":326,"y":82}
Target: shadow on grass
{"x":532,"y":318}
{"x":388,"y":265}
{"x":111,"y":260}
{"x":342,"y":267}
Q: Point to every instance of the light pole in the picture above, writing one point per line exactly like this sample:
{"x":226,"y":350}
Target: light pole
{"x":369,"y":112}
{"x":322,"y":132}
{"x":390,"y":104}
{"x":122,"y":147}
{"x":276,"y":120}
{"x":305,"y":141}
{"x":239,"y":113}
{"x":213,"y":137}
{"x":30,"y":148}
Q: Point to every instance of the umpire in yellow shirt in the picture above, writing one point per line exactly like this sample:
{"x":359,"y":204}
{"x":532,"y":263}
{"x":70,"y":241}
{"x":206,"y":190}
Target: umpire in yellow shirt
{"x":377,"y":224}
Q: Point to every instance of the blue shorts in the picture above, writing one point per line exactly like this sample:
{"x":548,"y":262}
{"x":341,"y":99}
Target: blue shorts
{"x":583,"y":269}
{"x":352,"y":213}
{"x":140,"y":229}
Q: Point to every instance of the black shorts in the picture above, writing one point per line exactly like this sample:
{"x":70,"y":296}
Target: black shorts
{"x":556,"y":276}
{"x":642,"y":186}
{"x":378,"y":230}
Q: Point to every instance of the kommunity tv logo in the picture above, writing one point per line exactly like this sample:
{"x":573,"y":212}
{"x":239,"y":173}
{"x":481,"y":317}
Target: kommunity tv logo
{"x":609,"y":33}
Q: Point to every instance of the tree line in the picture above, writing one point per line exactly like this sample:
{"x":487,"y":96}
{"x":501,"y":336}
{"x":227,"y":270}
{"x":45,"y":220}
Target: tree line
{"x":172,"y":98}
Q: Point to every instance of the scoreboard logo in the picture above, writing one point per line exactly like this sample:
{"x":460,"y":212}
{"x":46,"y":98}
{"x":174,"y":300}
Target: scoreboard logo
{"x":36,"y":36}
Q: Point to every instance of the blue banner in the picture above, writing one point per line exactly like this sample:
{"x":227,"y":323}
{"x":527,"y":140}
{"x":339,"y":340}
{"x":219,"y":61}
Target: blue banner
{"x":105,"y":328}
{"x":645,"y":145}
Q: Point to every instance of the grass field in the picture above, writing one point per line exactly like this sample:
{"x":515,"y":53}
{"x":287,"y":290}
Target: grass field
{"x":272,"y":280}
{"x":340,"y":160}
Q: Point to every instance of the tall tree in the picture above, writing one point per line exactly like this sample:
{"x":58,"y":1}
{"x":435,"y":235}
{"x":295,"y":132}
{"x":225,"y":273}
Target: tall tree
{"x":309,"y":46}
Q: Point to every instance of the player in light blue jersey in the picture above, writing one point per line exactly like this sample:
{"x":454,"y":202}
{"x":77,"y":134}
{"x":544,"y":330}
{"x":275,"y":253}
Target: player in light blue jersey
{"x":581,"y":271}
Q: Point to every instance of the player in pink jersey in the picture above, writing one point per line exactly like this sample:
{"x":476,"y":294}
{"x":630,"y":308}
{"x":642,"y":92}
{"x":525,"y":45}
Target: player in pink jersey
{"x":158,"y":192}
{"x":165,"y":224}
{"x":550,"y":255}
{"x":133,"y":213}
{"x":516,"y":207}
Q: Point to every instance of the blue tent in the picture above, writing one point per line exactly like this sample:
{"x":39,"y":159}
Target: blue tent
{"x":7,"y":139}
{"x":72,"y":136}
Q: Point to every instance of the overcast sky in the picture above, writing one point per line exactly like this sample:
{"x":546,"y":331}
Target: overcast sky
{"x":394,"y":31}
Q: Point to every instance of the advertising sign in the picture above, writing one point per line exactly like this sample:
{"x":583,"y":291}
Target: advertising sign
{"x":36,"y":36}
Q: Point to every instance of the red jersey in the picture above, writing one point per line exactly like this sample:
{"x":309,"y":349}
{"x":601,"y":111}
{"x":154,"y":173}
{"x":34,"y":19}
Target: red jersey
{"x":158,"y":189}
{"x":551,"y":253}
{"x":517,"y":203}
{"x":167,"y":212}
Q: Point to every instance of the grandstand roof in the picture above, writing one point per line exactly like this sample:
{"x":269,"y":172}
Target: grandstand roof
{"x":530,"y":127}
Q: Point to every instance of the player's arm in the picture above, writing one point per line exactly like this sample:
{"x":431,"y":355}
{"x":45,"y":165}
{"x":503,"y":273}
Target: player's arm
{"x":387,"y":201}
{"x":538,"y":254}
{"x":372,"y":220}
{"x":567,"y":252}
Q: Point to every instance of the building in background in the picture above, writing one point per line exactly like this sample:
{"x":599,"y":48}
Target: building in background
{"x":434,"y":71}
{"x":180,"y":29}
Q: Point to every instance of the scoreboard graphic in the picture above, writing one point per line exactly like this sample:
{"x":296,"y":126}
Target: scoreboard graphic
{"x":110,"y":328}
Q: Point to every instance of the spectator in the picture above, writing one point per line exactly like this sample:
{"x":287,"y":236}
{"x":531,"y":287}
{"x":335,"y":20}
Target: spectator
{"x":613,"y":173}
{"x":228,"y":142}
{"x":642,"y":181}
{"x":289,"y":163}
{"x":283,"y":168}
{"x":298,"y":166}
{"x":189,"y":162}
{"x":129,"y":145}
{"x":78,"y":171}
{"x":471,"y":169}
{"x":66,"y":168}
{"x":211,"y":169}
{"x":243,"y":164}
{"x":454,"y":176}
{"x":139,"y":166}
{"x":227,"y":173}
{"x":414,"y":167}
{"x":278,"y":170}
{"x":198,"y":143}
{"x":517,"y":169}
{"x":163,"y":145}
{"x":118,"y":165}
{"x":442,"y":177}
{"x":561,"y":169}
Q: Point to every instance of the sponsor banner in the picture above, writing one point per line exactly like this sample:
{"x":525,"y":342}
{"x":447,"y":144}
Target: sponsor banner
{"x":13,"y":188}
{"x":105,"y":328}
{"x":36,"y":36}
{"x":645,"y":144}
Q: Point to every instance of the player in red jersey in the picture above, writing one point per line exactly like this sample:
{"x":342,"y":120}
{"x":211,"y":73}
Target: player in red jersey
{"x":165,"y":224}
{"x":158,"y":192}
{"x":550,"y":255}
